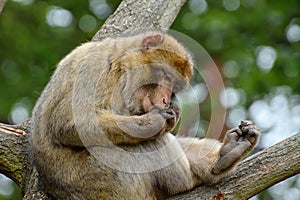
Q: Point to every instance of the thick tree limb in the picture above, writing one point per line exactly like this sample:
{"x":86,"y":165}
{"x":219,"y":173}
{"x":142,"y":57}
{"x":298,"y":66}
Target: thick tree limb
{"x":14,"y":159}
{"x":138,"y":15}
{"x":2,"y":4}
{"x":253,"y":175}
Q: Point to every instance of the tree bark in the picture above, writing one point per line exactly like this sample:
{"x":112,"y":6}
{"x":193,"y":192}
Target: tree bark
{"x":2,"y":4}
{"x":133,"y":15}
{"x":253,"y":175}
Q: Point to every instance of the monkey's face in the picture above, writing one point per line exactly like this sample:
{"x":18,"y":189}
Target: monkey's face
{"x":158,"y":93}
{"x":152,"y":96}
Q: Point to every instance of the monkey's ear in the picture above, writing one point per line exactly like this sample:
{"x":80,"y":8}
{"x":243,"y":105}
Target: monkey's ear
{"x":152,"y":41}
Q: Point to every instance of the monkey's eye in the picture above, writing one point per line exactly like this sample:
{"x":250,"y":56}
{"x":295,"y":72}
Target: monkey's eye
{"x":174,"y":100}
{"x":158,"y":73}
{"x":178,"y":87}
{"x":150,"y":86}
{"x":173,"y":97}
{"x":175,"y":89}
{"x":168,"y":77}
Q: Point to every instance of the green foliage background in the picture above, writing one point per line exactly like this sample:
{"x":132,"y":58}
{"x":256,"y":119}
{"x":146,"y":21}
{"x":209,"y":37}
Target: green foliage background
{"x":230,"y":30}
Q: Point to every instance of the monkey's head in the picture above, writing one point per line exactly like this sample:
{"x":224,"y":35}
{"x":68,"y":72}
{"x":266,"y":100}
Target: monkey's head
{"x":153,"y":70}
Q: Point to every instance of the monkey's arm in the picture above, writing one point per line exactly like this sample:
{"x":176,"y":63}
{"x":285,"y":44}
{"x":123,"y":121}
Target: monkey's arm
{"x":211,"y":160}
{"x":121,"y":129}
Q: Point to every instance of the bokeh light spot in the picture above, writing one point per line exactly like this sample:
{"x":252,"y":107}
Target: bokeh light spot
{"x":100,"y":8}
{"x":198,"y":7}
{"x":266,"y":57}
{"x":231,"y":69}
{"x":229,"y":97}
{"x":58,"y":17}
{"x":19,"y":113}
{"x":87,"y":23}
{"x":231,"y":5}
{"x":293,"y":33}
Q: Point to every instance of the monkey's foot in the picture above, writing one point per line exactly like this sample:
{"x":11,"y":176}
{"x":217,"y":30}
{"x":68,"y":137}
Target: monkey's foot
{"x":237,"y":144}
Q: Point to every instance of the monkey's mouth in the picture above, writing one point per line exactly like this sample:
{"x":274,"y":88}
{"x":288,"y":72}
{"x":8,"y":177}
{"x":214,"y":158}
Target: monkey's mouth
{"x":150,"y":97}
{"x":147,"y":104}
{"x":135,"y":109}
{"x":142,"y":109}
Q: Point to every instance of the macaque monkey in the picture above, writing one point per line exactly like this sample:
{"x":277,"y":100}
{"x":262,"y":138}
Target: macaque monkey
{"x":101,"y":127}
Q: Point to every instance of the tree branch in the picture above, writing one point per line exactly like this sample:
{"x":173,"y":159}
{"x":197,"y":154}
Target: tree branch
{"x":2,"y":4}
{"x":14,"y":157}
{"x":256,"y":173}
{"x":138,"y":15}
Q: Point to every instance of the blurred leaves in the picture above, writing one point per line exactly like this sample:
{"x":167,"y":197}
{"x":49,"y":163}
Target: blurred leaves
{"x":30,"y":48}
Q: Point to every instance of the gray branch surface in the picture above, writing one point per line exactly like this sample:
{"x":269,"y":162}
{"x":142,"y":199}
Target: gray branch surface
{"x":133,"y":15}
{"x":2,"y":4}
{"x":253,"y":175}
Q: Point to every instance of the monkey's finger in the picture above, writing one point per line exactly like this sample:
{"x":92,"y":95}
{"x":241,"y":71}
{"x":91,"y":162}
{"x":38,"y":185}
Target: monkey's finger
{"x":253,"y":132}
{"x":168,"y":116}
{"x":236,"y":130}
{"x":175,"y":108}
{"x":155,"y":109}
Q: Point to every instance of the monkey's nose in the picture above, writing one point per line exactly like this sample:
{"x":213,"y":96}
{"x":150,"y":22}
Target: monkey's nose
{"x":162,"y":97}
{"x":166,"y":102}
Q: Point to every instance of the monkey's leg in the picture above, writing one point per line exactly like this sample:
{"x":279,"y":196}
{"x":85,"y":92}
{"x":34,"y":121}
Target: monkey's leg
{"x":211,"y":160}
{"x":202,"y":155}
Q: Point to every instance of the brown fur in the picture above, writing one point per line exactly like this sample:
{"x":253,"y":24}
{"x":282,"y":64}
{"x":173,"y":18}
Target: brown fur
{"x":101,"y":126}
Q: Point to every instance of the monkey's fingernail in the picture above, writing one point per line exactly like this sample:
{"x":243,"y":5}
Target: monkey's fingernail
{"x":239,"y":131}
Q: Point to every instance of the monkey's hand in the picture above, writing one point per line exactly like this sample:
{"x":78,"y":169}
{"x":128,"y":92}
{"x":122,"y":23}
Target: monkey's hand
{"x":237,"y":144}
{"x":134,"y":129}
{"x":171,"y":116}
